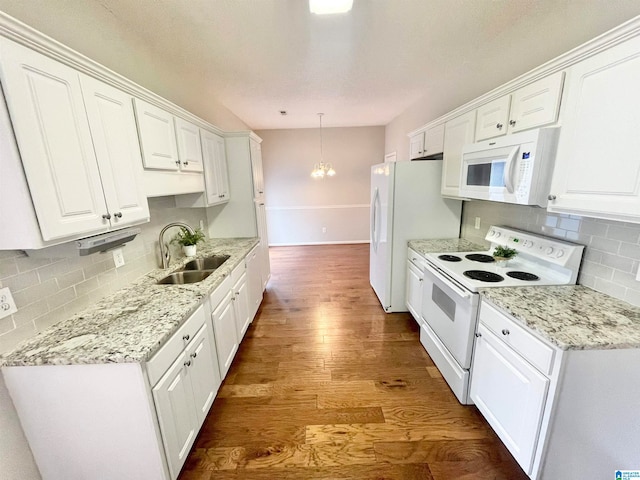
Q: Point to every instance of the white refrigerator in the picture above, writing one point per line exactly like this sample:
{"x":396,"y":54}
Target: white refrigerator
{"x":405,"y":205}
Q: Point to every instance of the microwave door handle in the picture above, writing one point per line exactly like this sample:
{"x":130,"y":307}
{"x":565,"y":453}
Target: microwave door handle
{"x":507,"y":176}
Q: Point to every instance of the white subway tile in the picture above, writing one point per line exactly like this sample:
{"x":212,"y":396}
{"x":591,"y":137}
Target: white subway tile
{"x":624,"y":234}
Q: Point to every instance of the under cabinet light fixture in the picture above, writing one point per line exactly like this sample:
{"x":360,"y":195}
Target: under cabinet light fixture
{"x":328,"y":7}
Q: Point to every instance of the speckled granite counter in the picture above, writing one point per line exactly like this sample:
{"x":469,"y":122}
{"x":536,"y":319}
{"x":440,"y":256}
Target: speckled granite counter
{"x":444,"y":245}
{"x":571,"y":317}
{"x":131,"y":324}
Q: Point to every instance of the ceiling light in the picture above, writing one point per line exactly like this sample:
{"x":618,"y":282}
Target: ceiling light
{"x":321,"y":170}
{"x":328,"y":7}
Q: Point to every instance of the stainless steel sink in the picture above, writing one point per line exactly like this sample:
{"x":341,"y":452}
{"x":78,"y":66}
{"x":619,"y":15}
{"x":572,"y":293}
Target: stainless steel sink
{"x":207,"y":263}
{"x":184,"y":277}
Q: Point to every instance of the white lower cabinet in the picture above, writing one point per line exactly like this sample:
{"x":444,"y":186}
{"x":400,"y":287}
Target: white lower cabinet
{"x":414,"y":284}
{"x":240,"y":293}
{"x":223,"y":317}
{"x":254,"y":280}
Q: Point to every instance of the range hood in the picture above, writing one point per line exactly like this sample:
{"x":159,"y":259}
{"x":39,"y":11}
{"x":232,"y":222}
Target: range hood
{"x":106,"y":241}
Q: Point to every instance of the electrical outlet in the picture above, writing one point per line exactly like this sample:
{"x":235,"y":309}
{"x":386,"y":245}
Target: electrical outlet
{"x":477,"y":226}
{"x":324,"y":229}
{"x":118,"y":257}
{"x":202,"y":225}
{"x":7,"y":305}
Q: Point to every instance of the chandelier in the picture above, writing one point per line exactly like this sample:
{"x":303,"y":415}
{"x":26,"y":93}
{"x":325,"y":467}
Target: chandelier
{"x":321,"y":170}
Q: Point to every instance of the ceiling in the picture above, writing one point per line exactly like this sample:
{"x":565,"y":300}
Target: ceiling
{"x":361,"y":68}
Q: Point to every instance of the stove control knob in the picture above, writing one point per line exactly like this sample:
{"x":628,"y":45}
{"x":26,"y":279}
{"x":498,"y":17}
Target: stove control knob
{"x":527,"y":244}
{"x":497,"y":234}
{"x":560,"y":253}
{"x":492,"y":233}
{"x":549,"y":250}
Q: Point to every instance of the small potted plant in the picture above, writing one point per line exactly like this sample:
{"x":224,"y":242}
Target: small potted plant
{"x":188,"y":240}
{"x":502,"y":255}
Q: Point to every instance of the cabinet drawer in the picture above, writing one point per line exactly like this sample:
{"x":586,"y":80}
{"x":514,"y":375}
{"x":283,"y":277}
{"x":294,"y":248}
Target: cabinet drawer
{"x":162,"y":360}
{"x":237,"y":272}
{"x":415,"y":258}
{"x":219,"y":293}
{"x":535,"y":351}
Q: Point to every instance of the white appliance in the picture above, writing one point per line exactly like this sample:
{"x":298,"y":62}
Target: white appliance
{"x":513,"y":169}
{"x":450,"y":293}
{"x":405,"y":204}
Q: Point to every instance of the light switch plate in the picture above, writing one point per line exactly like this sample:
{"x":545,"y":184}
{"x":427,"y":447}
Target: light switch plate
{"x":118,"y":257}
{"x":7,"y":305}
{"x":477,"y":224}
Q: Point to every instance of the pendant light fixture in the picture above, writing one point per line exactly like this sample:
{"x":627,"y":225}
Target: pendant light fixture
{"x":321,"y":170}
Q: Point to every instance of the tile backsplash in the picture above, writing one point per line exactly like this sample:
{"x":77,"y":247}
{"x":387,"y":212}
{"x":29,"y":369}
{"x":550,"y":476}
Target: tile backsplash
{"x":612,"y":249}
{"x":48,"y":289}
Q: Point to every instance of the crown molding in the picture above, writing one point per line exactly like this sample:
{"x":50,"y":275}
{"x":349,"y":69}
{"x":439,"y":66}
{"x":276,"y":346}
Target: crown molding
{"x":613,"y":37}
{"x":19,"y":32}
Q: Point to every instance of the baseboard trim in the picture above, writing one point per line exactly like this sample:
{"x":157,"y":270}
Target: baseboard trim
{"x":302,"y":244}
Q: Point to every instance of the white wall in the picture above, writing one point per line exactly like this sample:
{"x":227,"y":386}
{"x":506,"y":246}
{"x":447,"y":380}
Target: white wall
{"x":298,"y":206}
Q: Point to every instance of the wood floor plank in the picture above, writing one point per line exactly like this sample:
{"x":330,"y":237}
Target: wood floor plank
{"x":326,"y":385}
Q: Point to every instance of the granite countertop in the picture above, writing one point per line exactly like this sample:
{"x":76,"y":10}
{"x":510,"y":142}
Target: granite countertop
{"x":444,"y":245}
{"x":571,"y":317}
{"x":130,"y":325}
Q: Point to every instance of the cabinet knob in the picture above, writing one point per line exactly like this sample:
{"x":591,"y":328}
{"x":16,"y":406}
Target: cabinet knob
{"x":505,"y":331}
{"x":178,"y":162}
{"x":422,"y":279}
{"x":478,"y":334}
{"x":186,"y":337}
{"x":512,"y":123}
{"x":260,"y":191}
{"x":118,"y":214}
{"x":551,"y":197}
{"x":499,"y":126}
{"x":186,"y":163}
{"x":187,"y":363}
{"x":194,"y":355}
{"x":106,"y":216}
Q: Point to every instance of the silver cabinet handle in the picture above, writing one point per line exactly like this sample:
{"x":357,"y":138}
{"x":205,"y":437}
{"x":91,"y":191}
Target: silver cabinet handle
{"x":186,"y":337}
{"x":478,"y":335}
{"x":512,"y":123}
{"x":187,"y":363}
{"x":118,"y":214}
{"x":422,"y":279}
{"x":178,"y":162}
{"x":551,"y":197}
{"x":106,"y":216}
{"x":186,"y":163}
{"x":194,"y":355}
{"x":260,"y":191}
{"x":505,"y":331}
{"x":499,"y":126}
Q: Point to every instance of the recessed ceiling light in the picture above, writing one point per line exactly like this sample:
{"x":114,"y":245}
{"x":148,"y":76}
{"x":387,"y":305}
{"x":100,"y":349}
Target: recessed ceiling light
{"x":327,"y":7}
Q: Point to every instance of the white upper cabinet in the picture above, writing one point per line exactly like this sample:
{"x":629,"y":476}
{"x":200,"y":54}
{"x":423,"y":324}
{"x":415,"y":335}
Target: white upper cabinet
{"x":428,"y":142}
{"x":534,"y":105}
{"x":189,"y":147}
{"x":216,"y":178}
{"x":72,"y":148}
{"x":157,"y":137}
{"x":256,"y":168}
{"x":457,"y":133}
{"x":113,"y":129}
{"x":597,"y":171}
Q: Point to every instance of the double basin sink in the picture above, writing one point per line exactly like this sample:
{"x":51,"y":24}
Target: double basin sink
{"x":194,"y":271}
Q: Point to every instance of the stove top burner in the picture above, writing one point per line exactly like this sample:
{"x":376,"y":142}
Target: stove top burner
{"x":529,"y":277}
{"x":483,"y":276}
{"x":449,"y":258}
{"x":479,"y":257}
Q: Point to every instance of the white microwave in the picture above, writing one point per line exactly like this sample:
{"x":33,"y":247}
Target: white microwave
{"x":513,"y":169}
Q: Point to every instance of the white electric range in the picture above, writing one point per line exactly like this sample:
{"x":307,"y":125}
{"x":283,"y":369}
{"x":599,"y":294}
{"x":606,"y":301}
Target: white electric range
{"x":451,"y":300}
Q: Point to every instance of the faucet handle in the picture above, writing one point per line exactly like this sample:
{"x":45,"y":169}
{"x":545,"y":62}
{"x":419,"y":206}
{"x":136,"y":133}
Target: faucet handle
{"x":167,"y":254}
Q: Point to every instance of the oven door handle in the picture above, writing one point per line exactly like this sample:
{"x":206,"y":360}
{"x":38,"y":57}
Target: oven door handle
{"x":449,"y":282}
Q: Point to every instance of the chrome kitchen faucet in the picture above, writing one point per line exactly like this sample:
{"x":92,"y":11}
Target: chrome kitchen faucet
{"x":165,"y":255}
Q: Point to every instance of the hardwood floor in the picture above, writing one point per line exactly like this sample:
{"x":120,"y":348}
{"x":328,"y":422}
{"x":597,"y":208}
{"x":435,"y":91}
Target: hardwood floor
{"x":327,"y":386}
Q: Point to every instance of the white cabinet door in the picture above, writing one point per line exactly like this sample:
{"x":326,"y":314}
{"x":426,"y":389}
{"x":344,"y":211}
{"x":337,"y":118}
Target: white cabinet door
{"x":510,"y":393}
{"x":113,"y":129}
{"x":457,"y":133}
{"x":157,"y":137}
{"x":254,"y":280}
{"x":189,"y":147}
{"x":216,"y":176}
{"x":204,"y":373}
{"x":416,"y":146}
{"x":434,"y":140}
{"x":597,"y":171}
{"x":536,"y":104}
{"x":261,"y":217}
{"x":224,"y":327}
{"x":241,"y":305}
{"x":176,"y":411}
{"x":414,"y":291}
{"x":48,"y":115}
{"x":256,"y":168}
{"x":493,"y":118}
{"x":222,"y":173}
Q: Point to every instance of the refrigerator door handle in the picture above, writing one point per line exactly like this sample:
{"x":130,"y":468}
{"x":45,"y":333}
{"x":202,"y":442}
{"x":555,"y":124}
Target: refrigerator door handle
{"x":375,"y":236}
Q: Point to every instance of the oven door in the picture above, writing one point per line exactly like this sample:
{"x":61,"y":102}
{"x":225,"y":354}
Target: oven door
{"x":451,"y":311}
